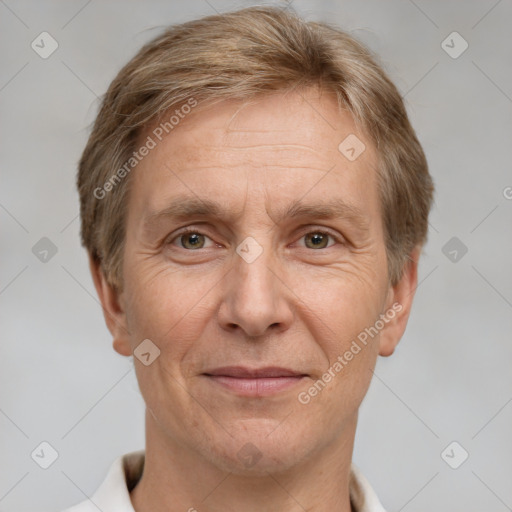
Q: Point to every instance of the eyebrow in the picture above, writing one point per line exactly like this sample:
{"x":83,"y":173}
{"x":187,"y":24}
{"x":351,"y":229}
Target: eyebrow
{"x":184,"y":207}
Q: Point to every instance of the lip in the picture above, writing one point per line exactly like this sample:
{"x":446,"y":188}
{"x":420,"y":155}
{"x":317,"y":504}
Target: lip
{"x":255,"y":382}
{"x":242,"y":372}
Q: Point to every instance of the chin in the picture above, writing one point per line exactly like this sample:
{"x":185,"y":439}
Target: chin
{"x":259,"y":447}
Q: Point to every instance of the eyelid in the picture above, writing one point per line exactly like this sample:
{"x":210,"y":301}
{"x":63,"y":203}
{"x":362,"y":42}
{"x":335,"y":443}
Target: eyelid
{"x":304,"y":230}
{"x":324,"y":230}
{"x":184,"y":231}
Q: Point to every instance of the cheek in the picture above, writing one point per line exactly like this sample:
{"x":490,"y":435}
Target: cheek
{"x":169,"y":307}
{"x":350,"y":350}
{"x":339,"y":391}
{"x":340,"y":300}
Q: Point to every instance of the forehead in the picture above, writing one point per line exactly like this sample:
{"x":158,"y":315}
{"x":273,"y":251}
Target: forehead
{"x":278,"y":146}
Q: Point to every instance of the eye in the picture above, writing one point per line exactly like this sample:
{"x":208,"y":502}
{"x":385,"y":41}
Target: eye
{"x":317,"y":239}
{"x":190,"y":239}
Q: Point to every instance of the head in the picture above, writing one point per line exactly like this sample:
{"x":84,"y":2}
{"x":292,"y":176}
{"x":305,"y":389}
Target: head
{"x":286,"y":152}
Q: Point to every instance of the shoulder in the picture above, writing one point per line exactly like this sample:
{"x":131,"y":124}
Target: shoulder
{"x":113,"y":495}
{"x":362,"y":495}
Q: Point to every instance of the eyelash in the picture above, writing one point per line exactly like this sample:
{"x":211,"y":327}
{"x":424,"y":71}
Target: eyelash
{"x":191,"y":229}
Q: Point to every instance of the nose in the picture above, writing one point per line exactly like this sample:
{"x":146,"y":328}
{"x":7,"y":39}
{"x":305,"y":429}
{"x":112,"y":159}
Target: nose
{"x":256,"y":299}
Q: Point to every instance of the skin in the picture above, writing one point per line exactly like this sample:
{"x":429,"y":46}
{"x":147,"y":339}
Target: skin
{"x":296,"y":306}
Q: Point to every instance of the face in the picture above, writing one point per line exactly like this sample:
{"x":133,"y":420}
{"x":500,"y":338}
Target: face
{"x":254,"y":261}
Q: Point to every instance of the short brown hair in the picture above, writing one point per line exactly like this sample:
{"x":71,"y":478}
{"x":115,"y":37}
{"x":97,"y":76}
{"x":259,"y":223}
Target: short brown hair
{"x":240,"y":55}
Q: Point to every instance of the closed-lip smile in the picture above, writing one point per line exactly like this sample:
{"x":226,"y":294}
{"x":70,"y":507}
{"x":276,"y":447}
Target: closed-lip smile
{"x":255,"y":381}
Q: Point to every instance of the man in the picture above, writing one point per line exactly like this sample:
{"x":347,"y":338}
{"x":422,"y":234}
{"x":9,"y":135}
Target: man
{"x":253,"y":202}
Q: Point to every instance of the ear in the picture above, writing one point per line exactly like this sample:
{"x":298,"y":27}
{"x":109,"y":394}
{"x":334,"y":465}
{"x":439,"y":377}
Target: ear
{"x":399,"y":301}
{"x":113,"y":309}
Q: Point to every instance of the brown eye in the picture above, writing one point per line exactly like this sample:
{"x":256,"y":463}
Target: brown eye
{"x":317,"y":240}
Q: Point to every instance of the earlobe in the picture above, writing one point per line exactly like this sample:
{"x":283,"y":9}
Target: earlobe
{"x":398,"y":306}
{"x":113,"y":309}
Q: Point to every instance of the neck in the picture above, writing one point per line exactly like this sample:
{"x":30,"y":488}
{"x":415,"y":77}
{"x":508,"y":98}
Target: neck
{"x":177,"y":479}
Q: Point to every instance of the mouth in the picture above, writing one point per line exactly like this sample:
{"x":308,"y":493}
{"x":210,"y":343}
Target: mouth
{"x":255,"y":382}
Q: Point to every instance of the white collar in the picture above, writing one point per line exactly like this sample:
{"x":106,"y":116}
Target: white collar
{"x":114,"y":493}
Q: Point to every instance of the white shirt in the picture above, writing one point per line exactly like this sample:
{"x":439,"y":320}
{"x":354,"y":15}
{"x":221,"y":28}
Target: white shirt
{"x":113,"y":495}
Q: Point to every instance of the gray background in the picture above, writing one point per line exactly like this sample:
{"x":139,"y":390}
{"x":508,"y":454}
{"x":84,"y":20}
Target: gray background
{"x":450,"y":378}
